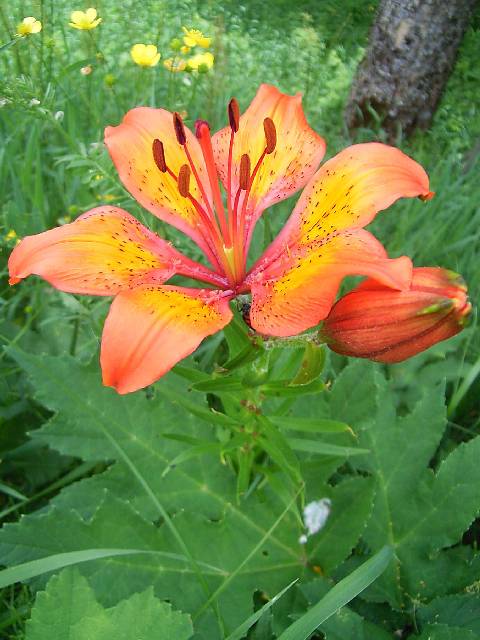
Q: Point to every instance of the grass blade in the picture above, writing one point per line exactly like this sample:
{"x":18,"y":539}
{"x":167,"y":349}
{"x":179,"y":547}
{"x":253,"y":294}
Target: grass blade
{"x":255,"y":617}
{"x":338,"y":596}
{"x":35,"y":568}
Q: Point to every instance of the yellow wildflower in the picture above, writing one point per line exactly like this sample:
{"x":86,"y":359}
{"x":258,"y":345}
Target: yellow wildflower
{"x":84,"y":20}
{"x":11,"y":235}
{"x":175,"y":65}
{"x":201,"y":62}
{"x":195,"y":38}
{"x":28,"y":26}
{"x":107,"y":197}
{"x":184,"y":49}
{"x":145,"y":55}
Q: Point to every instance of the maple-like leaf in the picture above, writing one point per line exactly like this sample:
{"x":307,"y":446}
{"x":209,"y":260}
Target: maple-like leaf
{"x":68,"y":609}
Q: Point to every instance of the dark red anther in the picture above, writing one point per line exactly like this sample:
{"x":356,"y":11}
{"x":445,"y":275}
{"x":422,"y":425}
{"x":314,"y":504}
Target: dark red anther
{"x":159,"y":155}
{"x":270,"y":135}
{"x":179,"y":128}
{"x":244,"y":172}
{"x":184,"y":180}
{"x":234,"y":115}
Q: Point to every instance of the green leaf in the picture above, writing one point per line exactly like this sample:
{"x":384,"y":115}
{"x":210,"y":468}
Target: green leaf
{"x":351,"y":506}
{"x":319,"y":425}
{"x":221,"y":384}
{"x":10,"y":491}
{"x":278,"y":448}
{"x":420,"y":512}
{"x":229,"y":549}
{"x":444,"y":632}
{"x":462,"y":610}
{"x":323,"y":448}
{"x":348,"y":625}
{"x":200,"y":494}
{"x":68,"y":609}
{"x":338,"y":596}
{"x":282,"y":388}
{"x":312,"y":364}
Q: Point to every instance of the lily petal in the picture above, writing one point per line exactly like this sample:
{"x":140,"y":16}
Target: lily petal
{"x":130,"y":146}
{"x":295,"y":159}
{"x":103,"y":252}
{"x":298,"y":290}
{"x":349,"y":190}
{"x":149,"y":329}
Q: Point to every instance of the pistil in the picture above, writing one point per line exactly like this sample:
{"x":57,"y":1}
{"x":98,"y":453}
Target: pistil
{"x":202,"y":130}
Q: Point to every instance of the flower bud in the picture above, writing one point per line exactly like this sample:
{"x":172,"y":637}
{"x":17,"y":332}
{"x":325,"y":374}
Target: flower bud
{"x":386,"y":325}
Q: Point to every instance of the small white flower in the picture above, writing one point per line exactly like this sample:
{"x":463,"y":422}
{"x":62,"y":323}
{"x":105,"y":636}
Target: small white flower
{"x":315,"y":515}
{"x":303,"y":539}
{"x":3,"y":102}
{"x":33,"y":102}
{"x":59,"y":116}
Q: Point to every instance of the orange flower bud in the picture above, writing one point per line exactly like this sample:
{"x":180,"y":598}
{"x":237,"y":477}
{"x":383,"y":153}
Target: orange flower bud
{"x":386,"y":325}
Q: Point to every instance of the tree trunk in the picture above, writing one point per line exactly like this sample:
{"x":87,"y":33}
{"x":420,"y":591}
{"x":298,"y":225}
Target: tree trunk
{"x":411,"y":53}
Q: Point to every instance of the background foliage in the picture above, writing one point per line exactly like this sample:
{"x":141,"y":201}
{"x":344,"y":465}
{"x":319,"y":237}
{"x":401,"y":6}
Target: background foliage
{"x":164,"y":474}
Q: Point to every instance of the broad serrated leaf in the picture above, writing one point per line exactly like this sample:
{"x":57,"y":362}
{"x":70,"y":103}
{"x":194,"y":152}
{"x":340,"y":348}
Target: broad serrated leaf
{"x":348,"y":625}
{"x":444,"y":632}
{"x":460,"y":610}
{"x":238,"y":548}
{"x":276,"y":562}
{"x":418,"y":511}
{"x":351,"y":505}
{"x":68,"y":609}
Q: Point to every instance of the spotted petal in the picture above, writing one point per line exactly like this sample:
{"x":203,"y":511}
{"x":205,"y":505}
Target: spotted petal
{"x":106,"y":250}
{"x":298,"y":290}
{"x":349,"y":190}
{"x":293,"y":162}
{"x":130,"y":146}
{"x":149,"y":329}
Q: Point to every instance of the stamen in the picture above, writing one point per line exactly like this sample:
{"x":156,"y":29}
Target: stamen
{"x":179,"y":128}
{"x":270,"y":135}
{"x":234,"y":114}
{"x":244,"y":172}
{"x":184,"y":180}
{"x":159,"y":155}
{"x":209,"y":230}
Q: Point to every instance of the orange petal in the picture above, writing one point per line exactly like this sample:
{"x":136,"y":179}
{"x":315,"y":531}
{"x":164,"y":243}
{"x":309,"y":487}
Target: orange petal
{"x":149,"y":329}
{"x":350,"y":189}
{"x":298,"y":290}
{"x":296,"y":156}
{"x":130,"y":146}
{"x":102,"y":252}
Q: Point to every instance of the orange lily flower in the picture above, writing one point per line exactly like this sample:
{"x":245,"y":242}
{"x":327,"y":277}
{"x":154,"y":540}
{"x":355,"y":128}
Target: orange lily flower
{"x":261,"y":157}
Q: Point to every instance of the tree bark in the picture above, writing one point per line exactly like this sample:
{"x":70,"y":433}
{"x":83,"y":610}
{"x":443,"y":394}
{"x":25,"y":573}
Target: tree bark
{"x":412,"y":50}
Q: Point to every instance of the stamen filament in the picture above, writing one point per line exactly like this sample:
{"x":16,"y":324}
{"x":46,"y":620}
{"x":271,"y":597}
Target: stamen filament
{"x":231,"y":221}
{"x":214,"y":233}
{"x":203,"y":135}
{"x":197,"y":179}
{"x":241,"y":231}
